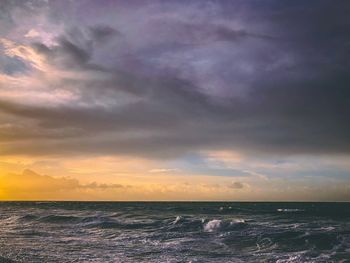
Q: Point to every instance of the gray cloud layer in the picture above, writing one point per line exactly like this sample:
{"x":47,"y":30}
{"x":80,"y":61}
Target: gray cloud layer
{"x":242,"y":75}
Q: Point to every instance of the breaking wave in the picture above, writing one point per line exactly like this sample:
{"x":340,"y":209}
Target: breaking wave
{"x":219,"y":225}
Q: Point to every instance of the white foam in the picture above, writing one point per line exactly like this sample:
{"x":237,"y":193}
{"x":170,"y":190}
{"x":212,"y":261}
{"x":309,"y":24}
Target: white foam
{"x":328,"y":228}
{"x":289,"y":210}
{"x":237,"y":220}
{"x":216,"y":224}
{"x":212,"y":225}
{"x":177,"y":219}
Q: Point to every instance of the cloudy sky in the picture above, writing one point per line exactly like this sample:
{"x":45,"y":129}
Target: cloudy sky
{"x":175,"y":100}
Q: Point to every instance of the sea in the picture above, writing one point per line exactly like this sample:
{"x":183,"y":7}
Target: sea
{"x":174,"y":232}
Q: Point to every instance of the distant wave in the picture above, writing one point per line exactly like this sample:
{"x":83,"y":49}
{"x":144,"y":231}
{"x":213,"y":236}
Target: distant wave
{"x":28,"y":217}
{"x":290,"y":210}
{"x":59,"y":219}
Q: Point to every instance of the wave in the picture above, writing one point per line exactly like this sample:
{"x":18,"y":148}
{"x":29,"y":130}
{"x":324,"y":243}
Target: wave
{"x":28,"y":217}
{"x":92,"y":221}
{"x":265,"y":244}
{"x":59,"y":219}
{"x":223,"y":225}
{"x":177,"y":219}
{"x":104,"y":232}
{"x":106,"y":222}
{"x":289,"y":210}
{"x":188,"y":224}
{"x":182,"y":224}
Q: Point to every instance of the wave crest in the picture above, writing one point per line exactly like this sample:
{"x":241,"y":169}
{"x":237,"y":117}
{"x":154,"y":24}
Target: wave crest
{"x":219,"y":225}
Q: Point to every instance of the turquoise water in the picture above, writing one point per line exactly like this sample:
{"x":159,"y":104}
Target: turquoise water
{"x":174,"y":232}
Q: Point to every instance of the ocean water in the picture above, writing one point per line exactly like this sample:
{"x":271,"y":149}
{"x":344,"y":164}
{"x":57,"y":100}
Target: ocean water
{"x":174,"y":232}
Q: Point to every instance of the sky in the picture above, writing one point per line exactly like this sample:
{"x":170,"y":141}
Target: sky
{"x":175,"y":100}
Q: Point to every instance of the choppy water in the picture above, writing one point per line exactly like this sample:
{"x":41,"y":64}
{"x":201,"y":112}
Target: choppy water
{"x":174,"y":232}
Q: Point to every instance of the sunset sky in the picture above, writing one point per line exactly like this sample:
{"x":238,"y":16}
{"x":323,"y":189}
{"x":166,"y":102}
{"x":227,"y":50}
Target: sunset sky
{"x":174,"y":100}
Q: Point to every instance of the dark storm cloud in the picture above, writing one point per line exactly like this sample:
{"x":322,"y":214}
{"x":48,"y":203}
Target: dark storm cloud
{"x":77,"y":54}
{"x":66,"y":54}
{"x":102,"y":33}
{"x":269,"y":78}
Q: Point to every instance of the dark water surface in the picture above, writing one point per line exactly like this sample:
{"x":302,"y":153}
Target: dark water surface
{"x":174,"y":232}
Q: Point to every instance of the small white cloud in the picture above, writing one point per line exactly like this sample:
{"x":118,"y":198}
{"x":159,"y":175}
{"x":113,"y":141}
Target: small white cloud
{"x":32,"y":34}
